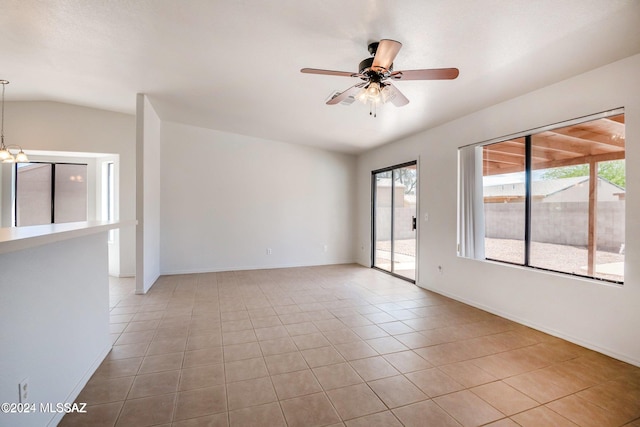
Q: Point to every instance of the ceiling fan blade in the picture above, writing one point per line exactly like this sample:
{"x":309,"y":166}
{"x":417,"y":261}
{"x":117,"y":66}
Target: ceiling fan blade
{"x":344,"y":95}
{"x":329,"y":72}
{"x":385,"y":54}
{"x":429,"y":74}
{"x":396,"y":97}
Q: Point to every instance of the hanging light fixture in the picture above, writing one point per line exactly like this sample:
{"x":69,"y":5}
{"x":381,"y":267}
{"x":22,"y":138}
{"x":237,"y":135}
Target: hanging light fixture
{"x":5,"y":155}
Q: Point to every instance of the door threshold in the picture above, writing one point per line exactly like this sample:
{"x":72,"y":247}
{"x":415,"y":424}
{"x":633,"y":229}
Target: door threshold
{"x":394,"y":274}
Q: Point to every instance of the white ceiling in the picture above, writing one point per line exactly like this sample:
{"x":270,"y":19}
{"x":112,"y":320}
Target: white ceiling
{"x":233,"y":65}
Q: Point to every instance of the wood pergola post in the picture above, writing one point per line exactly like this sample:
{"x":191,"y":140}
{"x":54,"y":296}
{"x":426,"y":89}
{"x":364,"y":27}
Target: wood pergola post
{"x":593,"y":217}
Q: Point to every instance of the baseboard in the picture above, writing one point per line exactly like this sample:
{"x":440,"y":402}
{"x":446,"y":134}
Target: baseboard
{"x":533,"y":325}
{"x":81,"y":384}
{"x":254,"y":267}
{"x":122,"y":276}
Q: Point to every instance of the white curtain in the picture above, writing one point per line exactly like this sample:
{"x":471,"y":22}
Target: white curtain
{"x":470,"y":203}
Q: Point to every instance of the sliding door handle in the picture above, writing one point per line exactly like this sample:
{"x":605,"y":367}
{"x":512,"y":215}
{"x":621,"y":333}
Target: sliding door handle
{"x":413,"y":223}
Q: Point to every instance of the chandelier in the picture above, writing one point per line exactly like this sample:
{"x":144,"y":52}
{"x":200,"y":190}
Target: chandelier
{"x":6,"y":156}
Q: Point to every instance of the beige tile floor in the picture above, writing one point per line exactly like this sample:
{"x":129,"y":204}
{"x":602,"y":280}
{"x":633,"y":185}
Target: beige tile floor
{"x":338,"y":345}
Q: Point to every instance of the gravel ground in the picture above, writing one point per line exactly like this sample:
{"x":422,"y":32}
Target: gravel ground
{"x":563,"y":258}
{"x":404,"y":247}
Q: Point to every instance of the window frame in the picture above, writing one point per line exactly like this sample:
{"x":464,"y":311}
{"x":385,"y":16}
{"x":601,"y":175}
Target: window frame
{"x":108,"y":198}
{"x":528,"y":136}
{"x":53,"y":187}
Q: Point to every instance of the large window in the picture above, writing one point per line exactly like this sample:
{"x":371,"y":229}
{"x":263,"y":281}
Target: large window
{"x":551,"y":199}
{"x":50,"y":193}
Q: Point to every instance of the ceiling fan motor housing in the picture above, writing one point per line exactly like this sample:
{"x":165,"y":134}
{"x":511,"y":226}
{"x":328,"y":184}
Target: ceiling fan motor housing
{"x":365,"y":68}
{"x":365,"y":65}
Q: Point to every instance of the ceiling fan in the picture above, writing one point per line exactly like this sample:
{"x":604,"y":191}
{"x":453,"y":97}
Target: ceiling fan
{"x":377,"y":73}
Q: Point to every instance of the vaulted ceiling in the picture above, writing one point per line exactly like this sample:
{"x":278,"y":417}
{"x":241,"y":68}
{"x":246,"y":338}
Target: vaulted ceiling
{"x":235,"y":66}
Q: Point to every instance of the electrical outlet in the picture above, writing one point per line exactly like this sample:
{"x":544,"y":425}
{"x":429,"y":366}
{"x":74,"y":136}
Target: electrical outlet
{"x":269,"y":251}
{"x":326,"y":248}
{"x":23,"y":388}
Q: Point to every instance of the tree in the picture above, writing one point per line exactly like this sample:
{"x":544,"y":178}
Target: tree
{"x":408,"y":178}
{"x":613,"y":171}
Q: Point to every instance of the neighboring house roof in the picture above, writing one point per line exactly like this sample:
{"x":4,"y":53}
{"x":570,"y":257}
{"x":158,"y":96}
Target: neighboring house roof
{"x":542,"y":188}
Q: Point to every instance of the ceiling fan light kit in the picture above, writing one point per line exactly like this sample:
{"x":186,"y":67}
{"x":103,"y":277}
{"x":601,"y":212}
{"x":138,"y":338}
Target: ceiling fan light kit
{"x":376,"y":73}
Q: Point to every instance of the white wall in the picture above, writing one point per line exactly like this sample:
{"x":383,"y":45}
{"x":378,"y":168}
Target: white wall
{"x":226,"y":198}
{"x":54,"y":322}
{"x":600,"y":316}
{"x":53,"y":126}
{"x":148,"y":195}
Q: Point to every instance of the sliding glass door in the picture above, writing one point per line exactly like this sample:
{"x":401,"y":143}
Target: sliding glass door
{"x":394,"y":214}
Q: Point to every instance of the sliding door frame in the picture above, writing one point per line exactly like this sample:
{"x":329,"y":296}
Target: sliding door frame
{"x":373,"y":217}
